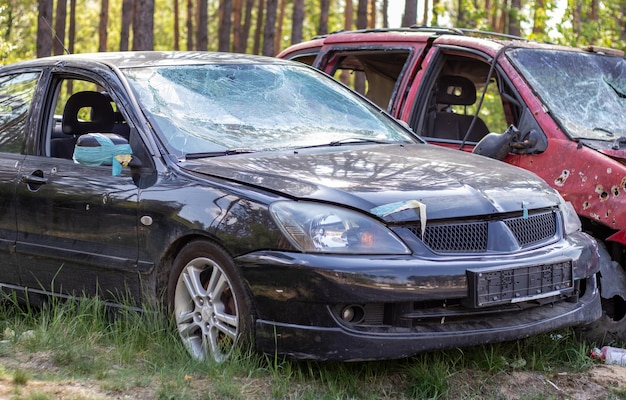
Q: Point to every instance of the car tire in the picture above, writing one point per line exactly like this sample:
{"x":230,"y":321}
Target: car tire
{"x":610,"y":328}
{"x":209,"y":302}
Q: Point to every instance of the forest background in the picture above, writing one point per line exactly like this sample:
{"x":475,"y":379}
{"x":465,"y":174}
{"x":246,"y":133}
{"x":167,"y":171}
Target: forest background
{"x":38,"y":28}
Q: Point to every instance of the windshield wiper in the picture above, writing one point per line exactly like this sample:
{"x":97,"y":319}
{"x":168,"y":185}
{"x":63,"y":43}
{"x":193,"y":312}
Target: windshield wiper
{"x":357,"y":140}
{"x":227,"y":152}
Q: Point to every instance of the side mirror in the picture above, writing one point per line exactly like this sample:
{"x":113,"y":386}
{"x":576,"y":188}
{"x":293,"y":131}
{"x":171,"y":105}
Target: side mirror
{"x":497,"y":145}
{"x":531,"y":140}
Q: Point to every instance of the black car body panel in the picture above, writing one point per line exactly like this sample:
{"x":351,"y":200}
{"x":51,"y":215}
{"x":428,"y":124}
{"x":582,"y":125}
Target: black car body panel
{"x":354,"y":248}
{"x":363,"y":177}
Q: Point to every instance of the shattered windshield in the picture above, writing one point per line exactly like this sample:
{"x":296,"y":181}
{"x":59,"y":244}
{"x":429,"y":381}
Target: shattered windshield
{"x":206,"y":109}
{"x":585,"y":92}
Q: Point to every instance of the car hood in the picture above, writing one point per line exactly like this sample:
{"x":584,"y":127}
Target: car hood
{"x":448,"y":183}
{"x":615,"y":149}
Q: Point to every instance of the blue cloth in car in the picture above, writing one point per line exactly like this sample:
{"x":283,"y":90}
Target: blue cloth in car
{"x":100,"y":149}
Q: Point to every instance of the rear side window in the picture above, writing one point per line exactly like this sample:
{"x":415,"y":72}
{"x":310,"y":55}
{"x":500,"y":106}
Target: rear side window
{"x":16,"y":94}
{"x":374,"y":73}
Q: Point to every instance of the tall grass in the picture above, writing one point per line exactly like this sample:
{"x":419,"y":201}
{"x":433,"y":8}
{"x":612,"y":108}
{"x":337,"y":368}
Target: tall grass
{"x":129,"y":352}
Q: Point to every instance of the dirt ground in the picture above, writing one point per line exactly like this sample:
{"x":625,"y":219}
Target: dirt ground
{"x":600,"y":382}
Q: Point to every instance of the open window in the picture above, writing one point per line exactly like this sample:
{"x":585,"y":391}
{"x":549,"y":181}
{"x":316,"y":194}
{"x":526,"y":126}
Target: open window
{"x":465,"y":101}
{"x":373,"y":73}
{"x":83,"y":108}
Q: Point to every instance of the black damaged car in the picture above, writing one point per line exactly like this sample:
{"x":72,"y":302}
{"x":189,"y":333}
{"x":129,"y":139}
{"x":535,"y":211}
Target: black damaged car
{"x":265,"y":204}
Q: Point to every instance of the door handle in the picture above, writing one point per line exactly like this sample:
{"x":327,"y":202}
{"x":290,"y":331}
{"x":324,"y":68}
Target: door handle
{"x":34,"y":180}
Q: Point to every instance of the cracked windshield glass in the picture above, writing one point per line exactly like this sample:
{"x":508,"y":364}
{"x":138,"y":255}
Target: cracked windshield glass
{"x":211,"y":110}
{"x":585,"y":92}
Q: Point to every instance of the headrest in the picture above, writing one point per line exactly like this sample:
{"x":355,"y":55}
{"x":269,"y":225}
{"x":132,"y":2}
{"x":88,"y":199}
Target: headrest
{"x":102,"y":118}
{"x":455,"y":90}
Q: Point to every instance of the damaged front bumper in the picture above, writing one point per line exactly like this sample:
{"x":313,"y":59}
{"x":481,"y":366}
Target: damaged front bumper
{"x":329,"y":307}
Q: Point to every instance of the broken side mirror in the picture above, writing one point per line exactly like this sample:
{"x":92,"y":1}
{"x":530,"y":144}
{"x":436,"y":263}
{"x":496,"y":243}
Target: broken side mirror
{"x":497,"y":145}
{"x":531,"y":139}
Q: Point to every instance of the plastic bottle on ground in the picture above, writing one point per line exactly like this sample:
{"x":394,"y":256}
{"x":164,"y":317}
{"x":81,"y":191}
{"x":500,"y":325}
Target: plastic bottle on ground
{"x":610,"y":355}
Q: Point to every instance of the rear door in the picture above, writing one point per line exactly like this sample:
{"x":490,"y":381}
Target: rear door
{"x":17,"y":90}
{"x":77,"y":224}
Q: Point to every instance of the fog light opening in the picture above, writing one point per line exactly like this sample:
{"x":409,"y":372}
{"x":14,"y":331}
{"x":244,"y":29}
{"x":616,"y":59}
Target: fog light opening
{"x":353,"y":314}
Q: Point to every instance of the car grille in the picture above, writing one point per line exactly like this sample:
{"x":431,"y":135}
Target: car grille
{"x":473,"y":236}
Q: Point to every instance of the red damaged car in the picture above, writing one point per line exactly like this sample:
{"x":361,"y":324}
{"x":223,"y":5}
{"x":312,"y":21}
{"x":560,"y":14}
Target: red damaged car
{"x":557,"y":111}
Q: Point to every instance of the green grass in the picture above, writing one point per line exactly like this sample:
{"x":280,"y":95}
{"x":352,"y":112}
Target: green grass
{"x":134,"y":353}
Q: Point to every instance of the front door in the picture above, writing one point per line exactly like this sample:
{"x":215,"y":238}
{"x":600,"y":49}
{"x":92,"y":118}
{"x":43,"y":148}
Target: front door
{"x":77,"y":224}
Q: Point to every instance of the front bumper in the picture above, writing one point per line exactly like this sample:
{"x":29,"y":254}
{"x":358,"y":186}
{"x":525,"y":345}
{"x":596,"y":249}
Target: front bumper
{"x":320,"y":343}
{"x":411,"y":304}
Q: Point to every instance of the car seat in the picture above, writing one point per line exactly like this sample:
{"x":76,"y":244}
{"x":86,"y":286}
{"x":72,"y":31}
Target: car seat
{"x":102,"y":120}
{"x":454,"y":90}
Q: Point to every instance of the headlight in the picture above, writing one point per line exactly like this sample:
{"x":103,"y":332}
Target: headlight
{"x":320,"y":228}
{"x":570,"y":218}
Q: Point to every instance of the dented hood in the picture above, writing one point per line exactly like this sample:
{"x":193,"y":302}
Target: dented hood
{"x":450,"y":183}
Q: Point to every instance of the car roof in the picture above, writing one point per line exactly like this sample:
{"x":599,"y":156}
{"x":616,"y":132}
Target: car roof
{"x":417,"y":33}
{"x":135,"y":59}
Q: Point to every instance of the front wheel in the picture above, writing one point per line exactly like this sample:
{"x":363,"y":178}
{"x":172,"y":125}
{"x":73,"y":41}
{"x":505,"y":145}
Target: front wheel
{"x":209,"y":301}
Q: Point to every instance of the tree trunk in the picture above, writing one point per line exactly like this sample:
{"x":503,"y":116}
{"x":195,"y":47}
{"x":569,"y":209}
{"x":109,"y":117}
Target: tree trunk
{"x":44,"y":29}
{"x":361,"y":14}
{"x":143,"y":25}
{"x":279,"y":24}
{"x":361,"y":23}
{"x":502,"y":19}
{"x":58,"y":45}
{"x":190,"y":25}
{"x":425,"y":15}
{"x":348,"y":23}
{"x":322,"y":28}
{"x":297,"y":21}
{"x":385,"y":13}
{"x":225,"y":25}
{"x":410,"y":13}
{"x":245,"y":32}
{"x":593,"y":11}
{"x":176,"y":25}
{"x":72,"y":31}
{"x":256,"y":48}
{"x":348,"y":16}
{"x":371,"y":21}
{"x":127,"y":18}
{"x":102,"y":27}
{"x":269,"y":29}
{"x":514,"y":21}
{"x":237,"y":42}
{"x":202,"y":25}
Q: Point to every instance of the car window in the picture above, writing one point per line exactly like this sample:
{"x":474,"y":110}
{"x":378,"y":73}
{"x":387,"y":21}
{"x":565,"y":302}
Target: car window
{"x":257,"y":107}
{"x":374,"y":74}
{"x":461,"y":85}
{"x":16,"y":94}
{"x":307,"y":59}
{"x":86,"y":125}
